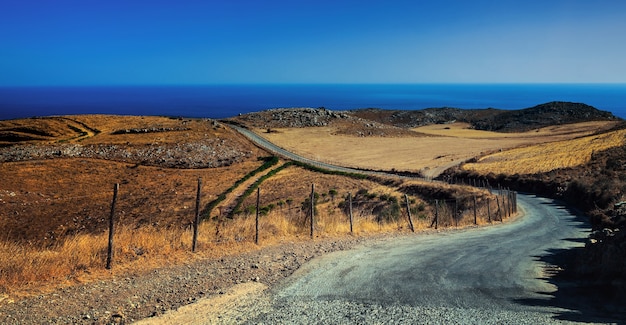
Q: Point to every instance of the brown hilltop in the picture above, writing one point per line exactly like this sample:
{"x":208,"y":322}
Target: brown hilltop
{"x":491,"y":119}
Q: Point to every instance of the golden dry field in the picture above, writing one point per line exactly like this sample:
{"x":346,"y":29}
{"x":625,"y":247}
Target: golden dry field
{"x":443,"y":146}
{"x":547,"y":156}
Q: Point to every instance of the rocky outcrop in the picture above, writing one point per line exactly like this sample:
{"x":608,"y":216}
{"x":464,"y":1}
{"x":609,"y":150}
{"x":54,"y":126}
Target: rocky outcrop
{"x":291,"y":118}
{"x":203,"y":154}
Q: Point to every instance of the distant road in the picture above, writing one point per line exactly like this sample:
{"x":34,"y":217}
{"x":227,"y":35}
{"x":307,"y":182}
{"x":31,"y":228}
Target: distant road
{"x":267,"y":145}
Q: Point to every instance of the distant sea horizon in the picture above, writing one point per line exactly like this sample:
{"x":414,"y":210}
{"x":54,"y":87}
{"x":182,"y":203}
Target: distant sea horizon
{"x":222,"y":101}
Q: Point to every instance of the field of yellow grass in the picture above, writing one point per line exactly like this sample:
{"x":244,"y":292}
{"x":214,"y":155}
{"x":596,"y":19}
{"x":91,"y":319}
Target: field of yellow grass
{"x":547,"y":156}
{"x":443,"y":147}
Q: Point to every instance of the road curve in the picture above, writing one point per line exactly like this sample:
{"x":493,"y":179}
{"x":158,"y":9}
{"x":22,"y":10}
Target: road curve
{"x":269,"y":146}
{"x":480,"y":276}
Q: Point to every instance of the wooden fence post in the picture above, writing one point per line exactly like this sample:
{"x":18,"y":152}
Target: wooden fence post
{"x":512,"y":201}
{"x":116,"y":188}
{"x":504,"y":206}
{"x":350,"y":211}
{"x":196,"y":221}
{"x":408,"y":210}
{"x":499,"y":213}
{"x":436,"y":220}
{"x":312,"y":208}
{"x":489,"y":209}
{"x":475,"y":219}
{"x":456,"y":212}
{"x":508,"y":202}
{"x":256,"y":221}
{"x":436,"y":213}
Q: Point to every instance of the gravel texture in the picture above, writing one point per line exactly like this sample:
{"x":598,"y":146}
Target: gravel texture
{"x":125,"y":299}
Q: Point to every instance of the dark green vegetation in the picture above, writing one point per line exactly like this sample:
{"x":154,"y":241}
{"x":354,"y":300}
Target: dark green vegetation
{"x":256,"y":185}
{"x":269,"y":162}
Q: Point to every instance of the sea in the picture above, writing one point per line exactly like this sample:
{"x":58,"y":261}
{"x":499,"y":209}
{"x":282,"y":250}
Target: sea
{"x":221,"y":101}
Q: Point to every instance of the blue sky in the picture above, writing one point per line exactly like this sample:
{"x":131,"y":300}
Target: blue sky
{"x":94,"y":42}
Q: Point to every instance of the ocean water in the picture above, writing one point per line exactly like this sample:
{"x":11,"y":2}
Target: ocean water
{"x":219,"y":101}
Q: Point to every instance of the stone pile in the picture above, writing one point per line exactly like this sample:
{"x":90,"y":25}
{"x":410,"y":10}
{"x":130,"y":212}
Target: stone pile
{"x":202,"y":154}
{"x":293,"y":117}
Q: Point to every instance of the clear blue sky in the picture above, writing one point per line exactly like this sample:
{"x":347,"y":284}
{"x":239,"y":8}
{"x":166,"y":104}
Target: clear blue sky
{"x":101,"y":42}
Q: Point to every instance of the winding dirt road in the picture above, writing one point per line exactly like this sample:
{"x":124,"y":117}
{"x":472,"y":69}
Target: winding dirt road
{"x":487,"y":275}
{"x":484,"y":275}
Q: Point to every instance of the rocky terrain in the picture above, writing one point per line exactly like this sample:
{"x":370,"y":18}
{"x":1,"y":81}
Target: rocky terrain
{"x":207,"y":153}
{"x":345,"y":122}
{"x":292,"y":118}
{"x":597,"y":188}
{"x":553,"y":113}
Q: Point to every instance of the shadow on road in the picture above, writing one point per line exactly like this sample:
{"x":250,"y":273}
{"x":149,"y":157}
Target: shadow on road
{"x":581,"y":299}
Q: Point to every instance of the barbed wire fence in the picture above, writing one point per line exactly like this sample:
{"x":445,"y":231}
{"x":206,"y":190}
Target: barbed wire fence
{"x":111,"y":208}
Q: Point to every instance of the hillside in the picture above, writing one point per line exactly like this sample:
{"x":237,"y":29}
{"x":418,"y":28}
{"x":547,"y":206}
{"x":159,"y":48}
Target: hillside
{"x":490,"y":119}
{"x":553,"y":113}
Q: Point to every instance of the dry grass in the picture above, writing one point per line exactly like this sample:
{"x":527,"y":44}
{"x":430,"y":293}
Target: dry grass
{"x":43,"y":201}
{"x":27,"y":270}
{"x":464,"y":130}
{"x":31,"y":269}
{"x":547,"y":156}
{"x":429,"y":154}
{"x":139,"y":246}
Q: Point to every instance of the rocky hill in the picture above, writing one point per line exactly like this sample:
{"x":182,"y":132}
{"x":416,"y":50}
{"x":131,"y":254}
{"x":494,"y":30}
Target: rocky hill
{"x":346,"y":122}
{"x":553,"y":113}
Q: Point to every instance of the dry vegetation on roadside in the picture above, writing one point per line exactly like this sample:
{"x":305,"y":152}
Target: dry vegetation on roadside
{"x":78,"y":257}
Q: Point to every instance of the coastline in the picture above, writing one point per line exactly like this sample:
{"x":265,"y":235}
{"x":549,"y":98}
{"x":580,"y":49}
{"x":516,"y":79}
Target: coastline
{"x":222,"y":101}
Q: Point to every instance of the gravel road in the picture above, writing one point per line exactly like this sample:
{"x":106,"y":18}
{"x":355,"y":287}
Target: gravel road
{"x":489,"y":275}
{"x":471,"y":276}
